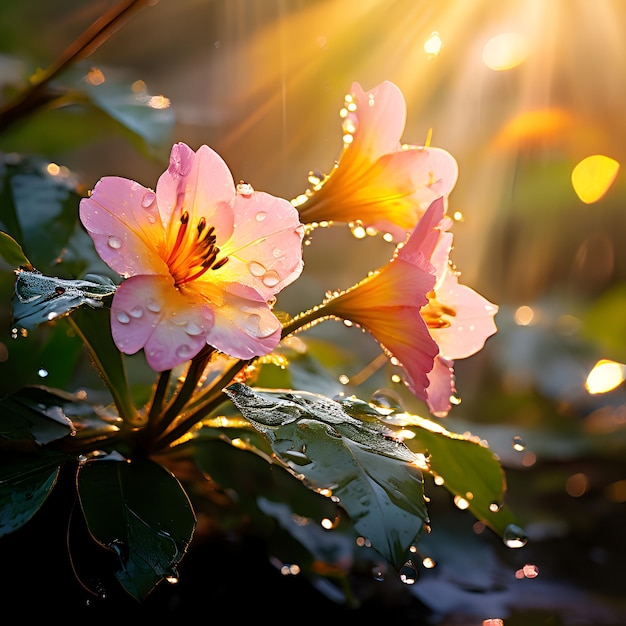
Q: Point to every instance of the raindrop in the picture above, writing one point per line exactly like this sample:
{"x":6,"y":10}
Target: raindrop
{"x":122,"y":317}
{"x":184,"y":351}
{"x":256,"y":268}
{"x":42,"y":372}
{"x":136,"y":312}
{"x":148,"y":199}
{"x":386,"y":401}
{"x":245,"y":189}
{"x":153,"y":306}
{"x":428,"y":562}
{"x":192,"y":329}
{"x":408,"y":573}
{"x":518,"y":443}
{"x":270,"y":279}
{"x":114,"y":242}
{"x":514,"y":537}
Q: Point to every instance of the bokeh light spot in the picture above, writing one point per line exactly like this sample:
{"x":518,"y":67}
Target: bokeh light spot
{"x":505,"y":51}
{"x":593,"y":176}
{"x":605,"y":376}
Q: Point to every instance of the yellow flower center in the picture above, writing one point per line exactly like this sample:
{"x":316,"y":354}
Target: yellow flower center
{"x":435,"y":313}
{"x":194,"y":252}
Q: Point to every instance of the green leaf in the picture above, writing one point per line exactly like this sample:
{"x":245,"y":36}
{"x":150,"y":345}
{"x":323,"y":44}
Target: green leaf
{"x":362,"y":463}
{"x":26,"y":420}
{"x":39,"y":299}
{"x":89,"y":324}
{"x":12,"y":252}
{"x":140,"y":512}
{"x":37,"y":208}
{"x":25,"y":484}
{"x":465,"y":467}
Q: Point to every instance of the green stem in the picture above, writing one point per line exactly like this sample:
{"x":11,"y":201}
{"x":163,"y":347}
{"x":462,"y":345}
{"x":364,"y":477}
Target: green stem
{"x":158,"y":398}
{"x":213,"y":398}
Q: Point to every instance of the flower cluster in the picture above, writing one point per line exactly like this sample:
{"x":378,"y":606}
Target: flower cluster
{"x":203,"y":259}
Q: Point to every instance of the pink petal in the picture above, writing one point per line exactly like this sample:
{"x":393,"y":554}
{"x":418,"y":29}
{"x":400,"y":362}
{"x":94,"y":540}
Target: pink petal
{"x":472,"y":325}
{"x":426,"y":235}
{"x":122,"y":219}
{"x":245,"y":326}
{"x":199,"y":183}
{"x":265,"y":251}
{"x":380,"y":119}
{"x":441,"y":387}
{"x":149,"y":312}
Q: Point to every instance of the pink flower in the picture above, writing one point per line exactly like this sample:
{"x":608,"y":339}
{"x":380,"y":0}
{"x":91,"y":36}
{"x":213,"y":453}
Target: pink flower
{"x":202,"y":259}
{"x":416,"y":309}
{"x":379,"y":182}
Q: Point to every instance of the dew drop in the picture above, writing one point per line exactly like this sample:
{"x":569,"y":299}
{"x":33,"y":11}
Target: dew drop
{"x":256,"y":268}
{"x":42,"y":372}
{"x":122,"y":317}
{"x":148,"y":199}
{"x":494,"y":507}
{"x":260,"y":216}
{"x":114,"y":242}
{"x":408,"y":573}
{"x":245,"y":189}
{"x":192,"y":329}
{"x":136,"y":312}
{"x":514,"y":537}
{"x":270,"y":278}
{"x":184,"y":351}
{"x":153,"y":306}
{"x":386,"y":401}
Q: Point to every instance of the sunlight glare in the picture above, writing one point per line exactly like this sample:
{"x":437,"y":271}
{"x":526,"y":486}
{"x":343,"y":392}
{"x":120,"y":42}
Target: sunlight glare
{"x":505,"y":51}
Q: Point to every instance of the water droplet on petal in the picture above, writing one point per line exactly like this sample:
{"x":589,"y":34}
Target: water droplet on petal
{"x":136,"y":312}
{"x":261,"y":327}
{"x":114,"y":242}
{"x":122,"y":317}
{"x":245,"y":189}
{"x":514,"y":536}
{"x":192,"y":329}
{"x":270,"y":279}
{"x":256,"y":268}
{"x":260,"y":216}
{"x":148,"y":199}
{"x":184,"y":351}
{"x":153,"y":306}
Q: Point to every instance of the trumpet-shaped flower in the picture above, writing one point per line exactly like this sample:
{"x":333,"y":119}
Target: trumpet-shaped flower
{"x":417,"y":311}
{"x":202,"y":259}
{"x":378,"y":182}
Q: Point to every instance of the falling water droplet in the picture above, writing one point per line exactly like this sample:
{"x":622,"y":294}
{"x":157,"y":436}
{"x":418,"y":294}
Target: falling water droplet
{"x":114,"y":242}
{"x":514,"y":536}
{"x":518,"y":443}
{"x":408,"y":573}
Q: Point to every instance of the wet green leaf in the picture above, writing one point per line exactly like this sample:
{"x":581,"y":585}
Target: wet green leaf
{"x":362,"y":463}
{"x":37,"y":208}
{"x":12,"y":252}
{"x":24,"y":486}
{"x":140,"y":512}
